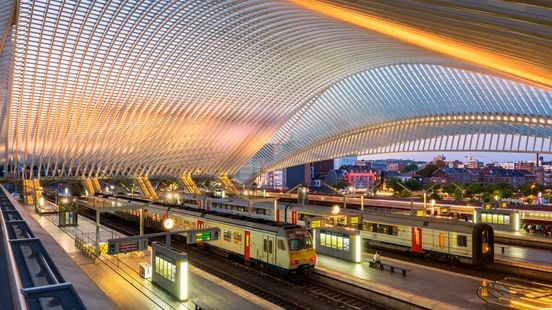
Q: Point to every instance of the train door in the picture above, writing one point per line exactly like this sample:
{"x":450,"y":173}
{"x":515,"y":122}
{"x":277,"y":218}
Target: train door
{"x":416,"y":240}
{"x":294,"y":217}
{"x":277,"y":215}
{"x":268,"y":249}
{"x":247,"y":247}
{"x":208,"y":205}
{"x":200,"y":224}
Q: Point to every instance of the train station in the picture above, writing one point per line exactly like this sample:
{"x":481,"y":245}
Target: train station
{"x":140,"y":138}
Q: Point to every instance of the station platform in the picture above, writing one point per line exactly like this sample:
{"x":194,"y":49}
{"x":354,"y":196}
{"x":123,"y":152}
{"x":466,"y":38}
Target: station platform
{"x":423,"y":286}
{"x":113,"y":282}
{"x":524,"y":236}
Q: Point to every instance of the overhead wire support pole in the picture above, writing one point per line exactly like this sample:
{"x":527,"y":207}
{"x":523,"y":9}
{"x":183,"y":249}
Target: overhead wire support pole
{"x":411,"y":198}
{"x":425,"y":194}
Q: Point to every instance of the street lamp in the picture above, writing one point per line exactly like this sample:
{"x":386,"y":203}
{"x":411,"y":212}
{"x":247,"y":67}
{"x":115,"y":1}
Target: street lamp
{"x":335,"y":210}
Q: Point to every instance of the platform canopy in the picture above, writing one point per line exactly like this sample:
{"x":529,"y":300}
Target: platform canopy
{"x":163,"y":87}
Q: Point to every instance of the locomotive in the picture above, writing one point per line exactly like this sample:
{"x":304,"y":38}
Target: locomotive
{"x":281,"y":248}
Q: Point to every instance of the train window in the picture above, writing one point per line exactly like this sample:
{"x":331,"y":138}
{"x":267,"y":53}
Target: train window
{"x":270,"y":246}
{"x":237,"y":238}
{"x":281,"y":244}
{"x":484,"y":236}
{"x":227,"y":235}
{"x":265,"y":245}
{"x":295,"y":244}
{"x":462,"y":241}
{"x":441,"y":240}
{"x":299,"y":244}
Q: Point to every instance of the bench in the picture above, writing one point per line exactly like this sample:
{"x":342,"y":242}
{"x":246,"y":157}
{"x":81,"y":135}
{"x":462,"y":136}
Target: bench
{"x":382,"y":266}
{"x":200,"y":305}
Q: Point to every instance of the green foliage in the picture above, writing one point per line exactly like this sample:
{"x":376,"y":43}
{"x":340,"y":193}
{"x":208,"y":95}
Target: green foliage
{"x":341,"y":184}
{"x":449,"y":189}
{"x":428,"y":170}
{"x":393,"y":184}
{"x":413,"y":185}
{"x":410,"y":168}
{"x":404,"y":193}
{"x":528,"y":189}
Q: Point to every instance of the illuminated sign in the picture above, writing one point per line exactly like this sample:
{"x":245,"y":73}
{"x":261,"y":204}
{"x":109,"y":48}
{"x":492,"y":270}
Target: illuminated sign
{"x":119,"y":247}
{"x":315,"y":224}
{"x":203,"y":236}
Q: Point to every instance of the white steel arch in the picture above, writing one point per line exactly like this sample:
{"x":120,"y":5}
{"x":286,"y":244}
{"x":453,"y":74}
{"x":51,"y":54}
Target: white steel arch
{"x":108,"y":88}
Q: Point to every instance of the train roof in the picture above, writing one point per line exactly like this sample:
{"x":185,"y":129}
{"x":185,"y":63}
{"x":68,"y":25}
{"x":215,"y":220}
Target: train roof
{"x":254,"y":223}
{"x":419,"y":221}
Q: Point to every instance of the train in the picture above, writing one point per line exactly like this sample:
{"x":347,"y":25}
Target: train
{"x":431,"y":237}
{"x":284,"y":249}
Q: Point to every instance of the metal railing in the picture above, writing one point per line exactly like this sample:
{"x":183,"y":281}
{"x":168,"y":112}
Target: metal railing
{"x":35,"y":281}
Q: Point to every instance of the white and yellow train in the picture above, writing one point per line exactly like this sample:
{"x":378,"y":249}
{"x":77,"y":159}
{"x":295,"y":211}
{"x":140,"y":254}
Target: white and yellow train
{"x":284,"y":248}
{"x":434,"y":238}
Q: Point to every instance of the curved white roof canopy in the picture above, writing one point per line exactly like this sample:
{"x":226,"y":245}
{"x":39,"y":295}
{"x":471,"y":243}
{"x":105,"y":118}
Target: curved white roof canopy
{"x":412,"y":107}
{"x":163,"y":87}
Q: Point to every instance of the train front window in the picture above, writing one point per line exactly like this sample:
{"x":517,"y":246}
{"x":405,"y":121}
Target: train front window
{"x":484,"y":237}
{"x":300,"y":244}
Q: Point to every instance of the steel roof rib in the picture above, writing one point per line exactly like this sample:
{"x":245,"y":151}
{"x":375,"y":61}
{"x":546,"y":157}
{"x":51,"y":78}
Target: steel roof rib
{"x":239,"y":87}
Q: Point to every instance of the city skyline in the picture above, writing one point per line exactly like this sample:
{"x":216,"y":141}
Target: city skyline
{"x":486,"y":157}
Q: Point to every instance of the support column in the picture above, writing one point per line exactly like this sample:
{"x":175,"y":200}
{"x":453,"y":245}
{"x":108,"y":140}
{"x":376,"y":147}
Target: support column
{"x":275,"y":211}
{"x":97,"y":233}
{"x":141,"y":221}
{"x":361,"y":202}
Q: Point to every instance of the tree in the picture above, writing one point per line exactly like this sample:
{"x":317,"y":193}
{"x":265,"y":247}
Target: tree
{"x":413,"y":185}
{"x":440,"y":164}
{"x":435,"y":195}
{"x":410,"y":168}
{"x":393,"y":184}
{"x":341,"y":184}
{"x":428,"y":170}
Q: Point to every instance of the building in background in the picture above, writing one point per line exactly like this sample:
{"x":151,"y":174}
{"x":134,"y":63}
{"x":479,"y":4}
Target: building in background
{"x":344,"y":161}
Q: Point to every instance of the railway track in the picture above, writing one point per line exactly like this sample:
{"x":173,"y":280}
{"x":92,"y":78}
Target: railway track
{"x":308,"y":294}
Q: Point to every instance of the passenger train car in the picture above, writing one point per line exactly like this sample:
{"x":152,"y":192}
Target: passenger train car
{"x":442,"y":239}
{"x":434,"y":238}
{"x":286,"y":249}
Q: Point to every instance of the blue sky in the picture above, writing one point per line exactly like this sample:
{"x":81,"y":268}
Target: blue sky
{"x":486,"y":157}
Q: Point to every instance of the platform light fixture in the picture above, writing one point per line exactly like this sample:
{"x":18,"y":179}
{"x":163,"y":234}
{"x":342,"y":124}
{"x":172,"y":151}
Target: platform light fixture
{"x":168,"y":223}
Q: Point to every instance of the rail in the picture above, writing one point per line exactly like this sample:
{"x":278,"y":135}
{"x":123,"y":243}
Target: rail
{"x":35,"y":281}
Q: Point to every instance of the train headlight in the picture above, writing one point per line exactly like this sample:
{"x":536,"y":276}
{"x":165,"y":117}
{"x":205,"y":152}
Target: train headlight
{"x":294,"y":262}
{"x":313,"y":259}
{"x":485,"y":248}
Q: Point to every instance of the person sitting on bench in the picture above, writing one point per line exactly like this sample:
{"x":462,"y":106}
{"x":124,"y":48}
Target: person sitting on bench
{"x":377,"y":258}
